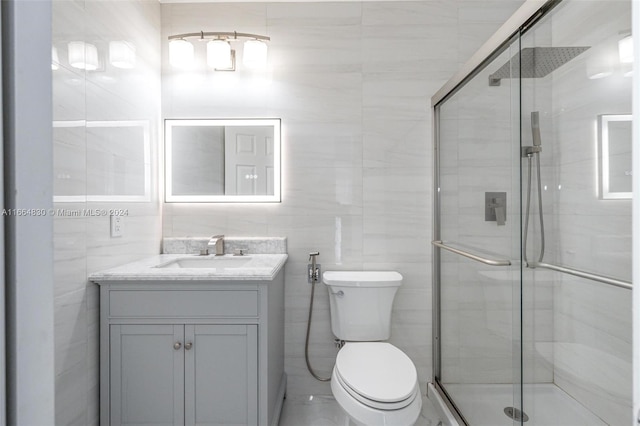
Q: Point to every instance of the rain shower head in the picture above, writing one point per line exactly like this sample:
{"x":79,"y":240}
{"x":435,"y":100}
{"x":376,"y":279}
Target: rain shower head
{"x":535,"y":62}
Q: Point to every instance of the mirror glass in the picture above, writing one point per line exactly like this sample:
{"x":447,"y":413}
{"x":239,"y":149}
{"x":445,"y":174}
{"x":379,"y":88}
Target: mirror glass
{"x":222,"y":160}
{"x":614,"y":137}
{"x":101,"y":161}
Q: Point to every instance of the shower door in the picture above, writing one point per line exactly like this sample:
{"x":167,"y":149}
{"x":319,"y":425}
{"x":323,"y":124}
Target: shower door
{"x":478,"y":236}
{"x":532,"y":229}
{"x":576,"y":104}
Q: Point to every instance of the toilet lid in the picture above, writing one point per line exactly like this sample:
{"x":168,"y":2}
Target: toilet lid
{"x":378,"y":371}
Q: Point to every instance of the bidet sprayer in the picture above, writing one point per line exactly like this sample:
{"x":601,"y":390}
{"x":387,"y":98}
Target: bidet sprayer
{"x":313,"y":269}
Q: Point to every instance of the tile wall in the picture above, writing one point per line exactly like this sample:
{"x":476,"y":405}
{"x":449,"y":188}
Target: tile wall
{"x":352,"y":84}
{"x":101,"y":121}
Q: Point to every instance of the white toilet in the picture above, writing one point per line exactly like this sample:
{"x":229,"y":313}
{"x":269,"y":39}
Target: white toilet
{"x":374,"y":382}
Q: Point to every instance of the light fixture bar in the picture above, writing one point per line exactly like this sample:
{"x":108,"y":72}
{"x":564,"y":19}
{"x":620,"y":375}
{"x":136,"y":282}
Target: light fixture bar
{"x":220,"y":55}
{"x":228,"y":34}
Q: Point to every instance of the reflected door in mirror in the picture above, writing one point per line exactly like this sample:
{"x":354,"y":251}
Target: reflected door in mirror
{"x":248,"y":160}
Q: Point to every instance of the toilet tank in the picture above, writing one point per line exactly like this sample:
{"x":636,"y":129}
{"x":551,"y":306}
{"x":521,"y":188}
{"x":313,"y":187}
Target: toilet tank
{"x":361,"y":303}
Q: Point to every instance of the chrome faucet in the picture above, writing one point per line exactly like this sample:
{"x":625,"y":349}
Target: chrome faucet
{"x":216,"y":245}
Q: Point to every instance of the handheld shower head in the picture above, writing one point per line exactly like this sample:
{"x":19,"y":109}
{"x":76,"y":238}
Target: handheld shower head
{"x":535,"y":128}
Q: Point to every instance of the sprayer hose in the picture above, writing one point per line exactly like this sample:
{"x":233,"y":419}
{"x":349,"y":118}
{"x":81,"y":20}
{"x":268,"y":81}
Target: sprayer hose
{"x":306,"y":343}
{"x":541,"y":218}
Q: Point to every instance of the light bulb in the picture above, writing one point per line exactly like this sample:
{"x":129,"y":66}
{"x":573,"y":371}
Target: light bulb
{"x":181,"y":54}
{"x":219,"y":54}
{"x":255,"y":54}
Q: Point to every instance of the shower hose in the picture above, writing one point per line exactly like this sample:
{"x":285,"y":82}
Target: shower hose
{"x":306,"y":342}
{"x":526,"y":221}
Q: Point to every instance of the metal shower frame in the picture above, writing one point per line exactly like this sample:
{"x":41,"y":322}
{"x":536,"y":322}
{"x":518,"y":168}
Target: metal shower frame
{"x":524,"y":18}
{"x":528,"y":14}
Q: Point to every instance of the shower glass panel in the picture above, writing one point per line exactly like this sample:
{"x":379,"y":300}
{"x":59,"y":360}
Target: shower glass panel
{"x":532,"y":229}
{"x":479,"y":216}
{"x":577,"y":331}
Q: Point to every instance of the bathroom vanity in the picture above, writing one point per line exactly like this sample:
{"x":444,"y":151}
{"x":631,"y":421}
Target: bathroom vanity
{"x":188,"y":340}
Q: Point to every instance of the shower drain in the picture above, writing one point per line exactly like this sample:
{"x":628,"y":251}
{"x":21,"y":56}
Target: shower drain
{"x":516,"y":414}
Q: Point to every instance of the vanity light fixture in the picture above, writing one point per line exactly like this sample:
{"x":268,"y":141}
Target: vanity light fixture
{"x":83,"y":55}
{"x":220,"y":54}
{"x":122,"y":54}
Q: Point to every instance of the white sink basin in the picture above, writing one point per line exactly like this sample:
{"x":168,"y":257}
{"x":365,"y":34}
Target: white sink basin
{"x":208,"y":262}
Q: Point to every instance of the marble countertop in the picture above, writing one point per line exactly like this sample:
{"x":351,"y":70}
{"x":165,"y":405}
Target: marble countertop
{"x":255,"y":267}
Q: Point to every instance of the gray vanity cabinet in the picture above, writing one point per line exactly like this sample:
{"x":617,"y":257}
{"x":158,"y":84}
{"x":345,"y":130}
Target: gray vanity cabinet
{"x":221,"y":386}
{"x":192,"y":353}
{"x":184,"y":374}
{"x":146,"y":375}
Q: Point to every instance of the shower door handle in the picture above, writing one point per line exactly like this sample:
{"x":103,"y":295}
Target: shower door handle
{"x":472,"y":256}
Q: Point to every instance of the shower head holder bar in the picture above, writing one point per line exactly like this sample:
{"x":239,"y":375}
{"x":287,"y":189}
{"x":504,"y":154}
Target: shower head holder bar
{"x":528,"y":151}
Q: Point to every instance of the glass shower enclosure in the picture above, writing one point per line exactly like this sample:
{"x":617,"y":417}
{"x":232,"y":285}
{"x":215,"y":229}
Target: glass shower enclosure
{"x":532,"y":224}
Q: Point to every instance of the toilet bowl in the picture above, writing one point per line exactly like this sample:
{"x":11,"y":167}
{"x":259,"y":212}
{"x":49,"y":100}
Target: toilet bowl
{"x":374,"y":382}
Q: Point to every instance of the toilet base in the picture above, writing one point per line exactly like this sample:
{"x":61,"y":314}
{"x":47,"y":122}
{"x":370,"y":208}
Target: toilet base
{"x":363,"y":415}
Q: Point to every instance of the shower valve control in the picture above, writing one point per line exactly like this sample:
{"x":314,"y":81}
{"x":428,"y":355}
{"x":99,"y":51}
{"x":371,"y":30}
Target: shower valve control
{"x":495,"y":207}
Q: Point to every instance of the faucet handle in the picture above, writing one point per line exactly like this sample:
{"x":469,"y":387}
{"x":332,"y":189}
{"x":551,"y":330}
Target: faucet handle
{"x":240,"y":252}
{"x":218,"y":236}
{"x":313,"y":253}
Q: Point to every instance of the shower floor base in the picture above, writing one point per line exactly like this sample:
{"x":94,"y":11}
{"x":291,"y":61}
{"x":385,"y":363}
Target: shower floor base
{"x":545,"y":404}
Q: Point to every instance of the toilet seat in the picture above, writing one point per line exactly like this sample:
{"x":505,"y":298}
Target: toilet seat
{"x":372,"y":403}
{"x":377,"y":374}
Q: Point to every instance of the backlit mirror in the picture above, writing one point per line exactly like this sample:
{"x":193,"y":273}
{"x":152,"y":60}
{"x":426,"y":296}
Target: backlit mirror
{"x":222,"y":160}
{"x":614,"y":137}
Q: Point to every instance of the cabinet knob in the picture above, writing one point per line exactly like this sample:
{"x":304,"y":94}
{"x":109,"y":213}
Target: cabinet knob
{"x":177,"y":345}
{"x":188,"y":345}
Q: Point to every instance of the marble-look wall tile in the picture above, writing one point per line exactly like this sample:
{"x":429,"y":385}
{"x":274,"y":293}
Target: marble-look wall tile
{"x":82,"y":243}
{"x":333,"y":14}
{"x":592,"y":353}
{"x":314,"y":48}
{"x":323,"y":144}
{"x":411,"y":49}
{"x":395,"y":143}
{"x":382,"y":14}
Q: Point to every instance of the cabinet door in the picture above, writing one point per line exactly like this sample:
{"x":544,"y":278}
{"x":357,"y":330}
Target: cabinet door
{"x":147,"y":375}
{"x":221,"y":369}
